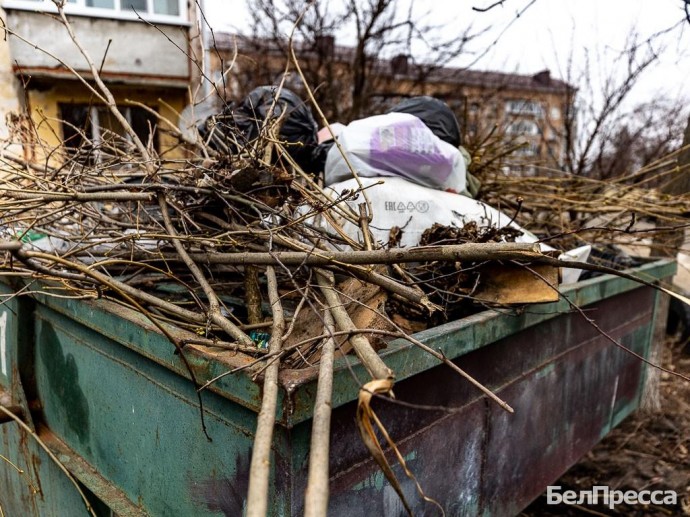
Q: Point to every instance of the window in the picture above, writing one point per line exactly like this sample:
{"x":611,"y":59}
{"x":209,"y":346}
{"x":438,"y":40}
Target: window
{"x":171,"y":11}
{"x":524,"y":107}
{"x":523,"y":127}
{"x":103,"y":4}
{"x":527,"y":150}
{"x":93,"y":135}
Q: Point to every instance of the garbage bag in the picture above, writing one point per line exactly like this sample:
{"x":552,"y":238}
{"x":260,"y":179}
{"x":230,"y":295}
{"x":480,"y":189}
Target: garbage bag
{"x":579,"y":254}
{"x":436,"y":114}
{"x":397,"y":202}
{"x":240,"y":124}
{"x":612,"y":256}
{"x":320,"y":155}
{"x":396,"y":145}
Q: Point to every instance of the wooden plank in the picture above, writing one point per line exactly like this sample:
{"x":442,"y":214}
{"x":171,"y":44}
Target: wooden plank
{"x":512,"y":284}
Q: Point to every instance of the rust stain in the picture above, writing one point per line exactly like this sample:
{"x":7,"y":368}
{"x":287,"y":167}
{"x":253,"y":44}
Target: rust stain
{"x":36,"y":469}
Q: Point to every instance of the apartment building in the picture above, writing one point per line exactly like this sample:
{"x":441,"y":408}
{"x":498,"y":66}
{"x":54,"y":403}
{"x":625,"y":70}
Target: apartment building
{"x":141,"y":48}
{"x":528,"y":113}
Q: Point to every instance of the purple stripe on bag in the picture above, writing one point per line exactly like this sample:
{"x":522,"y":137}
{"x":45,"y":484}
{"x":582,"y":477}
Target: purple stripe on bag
{"x":409,"y":149}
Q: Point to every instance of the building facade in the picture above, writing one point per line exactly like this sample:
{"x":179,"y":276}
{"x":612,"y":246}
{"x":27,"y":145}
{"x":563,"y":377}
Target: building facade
{"x":141,"y":52}
{"x":525,"y":116}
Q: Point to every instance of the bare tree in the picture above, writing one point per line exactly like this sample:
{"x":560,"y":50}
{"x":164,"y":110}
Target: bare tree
{"x":681,"y":182}
{"x":647,"y":133}
{"x":598,"y":119}
{"x":351,"y":79}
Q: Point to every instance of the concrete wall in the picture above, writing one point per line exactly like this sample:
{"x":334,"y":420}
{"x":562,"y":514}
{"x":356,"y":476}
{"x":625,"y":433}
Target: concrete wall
{"x":137,"y":50}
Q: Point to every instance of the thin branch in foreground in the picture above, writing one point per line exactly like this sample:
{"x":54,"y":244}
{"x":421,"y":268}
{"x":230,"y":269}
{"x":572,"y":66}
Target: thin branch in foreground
{"x":316,"y":496}
{"x":257,"y":496}
{"x":105,"y":91}
{"x":488,"y":7}
{"x":366,"y":354}
{"x":601,"y":331}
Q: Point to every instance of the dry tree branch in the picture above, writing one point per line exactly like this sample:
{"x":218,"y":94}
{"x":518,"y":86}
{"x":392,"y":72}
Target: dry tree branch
{"x":341,"y":260}
{"x":79,"y":77}
{"x":216,"y":343}
{"x":135,"y":294}
{"x":252,"y":294}
{"x":213,"y":311}
{"x":471,"y":252}
{"x":127,"y":292}
{"x":400,"y":334}
{"x":411,"y":293}
{"x":83,"y":197}
{"x":601,"y":331}
{"x":105,"y":91}
{"x":488,"y":7}
{"x":257,"y":496}
{"x":324,"y":120}
{"x":366,"y":354}
{"x":34,"y":489}
{"x":316,"y":496}
{"x":438,"y":355}
{"x":171,"y":126}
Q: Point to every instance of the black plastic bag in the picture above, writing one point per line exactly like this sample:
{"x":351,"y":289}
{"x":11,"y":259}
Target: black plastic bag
{"x":320,"y":155}
{"x":240,"y":124}
{"x":436,"y":114}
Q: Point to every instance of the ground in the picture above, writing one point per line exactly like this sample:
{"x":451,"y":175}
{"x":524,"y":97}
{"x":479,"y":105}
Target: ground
{"x":648,"y":451}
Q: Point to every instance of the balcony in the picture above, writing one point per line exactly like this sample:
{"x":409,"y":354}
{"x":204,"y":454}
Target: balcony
{"x":132,"y":46}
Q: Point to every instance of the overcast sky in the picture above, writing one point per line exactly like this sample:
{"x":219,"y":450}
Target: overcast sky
{"x":548,"y":32}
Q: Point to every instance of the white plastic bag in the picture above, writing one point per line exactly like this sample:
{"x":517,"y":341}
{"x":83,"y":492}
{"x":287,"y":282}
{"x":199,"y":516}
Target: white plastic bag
{"x":413,"y":208}
{"x":396,"y":145}
{"x":571,"y":275}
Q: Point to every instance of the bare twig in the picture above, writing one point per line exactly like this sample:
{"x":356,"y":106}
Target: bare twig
{"x":316,"y":497}
{"x":370,"y":359}
{"x":51,"y":455}
{"x":105,"y":91}
{"x":213,"y":303}
{"x":257,"y":496}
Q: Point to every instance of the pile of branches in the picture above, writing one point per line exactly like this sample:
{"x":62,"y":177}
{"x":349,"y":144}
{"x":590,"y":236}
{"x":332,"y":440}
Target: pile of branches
{"x":641,"y":210}
{"x":202,"y":232}
{"x":230,"y":248}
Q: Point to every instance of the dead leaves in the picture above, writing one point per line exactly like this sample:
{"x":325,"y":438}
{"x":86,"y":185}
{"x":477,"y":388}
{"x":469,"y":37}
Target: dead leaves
{"x":367,"y":423}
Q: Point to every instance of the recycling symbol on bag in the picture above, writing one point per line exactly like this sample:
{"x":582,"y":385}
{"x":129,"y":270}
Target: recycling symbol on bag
{"x":401,"y":206}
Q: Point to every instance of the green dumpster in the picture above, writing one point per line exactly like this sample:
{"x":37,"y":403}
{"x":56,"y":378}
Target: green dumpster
{"x":102,"y":388}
